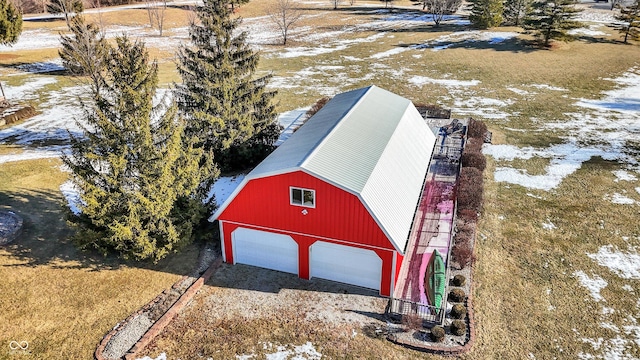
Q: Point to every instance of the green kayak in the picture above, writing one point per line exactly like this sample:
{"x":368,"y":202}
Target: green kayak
{"x":436,"y":272}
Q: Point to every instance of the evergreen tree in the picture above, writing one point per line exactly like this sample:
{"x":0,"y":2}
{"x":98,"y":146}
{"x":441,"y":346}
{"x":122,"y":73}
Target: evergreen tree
{"x":514,"y":11}
{"x":629,"y":22}
{"x":135,"y":170}
{"x":552,"y":19}
{"x":66,"y":8}
{"x":486,"y":13}
{"x":10,"y":23}
{"x":225,"y":105}
{"x":83,"y":51}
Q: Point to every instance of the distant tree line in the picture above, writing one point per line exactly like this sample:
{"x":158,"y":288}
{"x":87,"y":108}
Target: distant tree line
{"x":41,"y":6}
{"x":547,"y":19}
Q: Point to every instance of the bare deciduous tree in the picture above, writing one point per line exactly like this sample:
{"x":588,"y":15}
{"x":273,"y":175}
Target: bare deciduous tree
{"x":335,"y":3}
{"x":156,"y":12}
{"x":439,"y":8}
{"x":284,"y":13}
{"x":100,"y":21}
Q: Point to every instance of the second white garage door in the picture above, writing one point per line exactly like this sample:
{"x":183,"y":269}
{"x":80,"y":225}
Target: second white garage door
{"x":346,"y":264}
{"x":265,"y":249}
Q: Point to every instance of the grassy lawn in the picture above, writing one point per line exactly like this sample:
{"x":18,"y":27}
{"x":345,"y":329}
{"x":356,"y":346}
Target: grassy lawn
{"x":58,"y":299}
{"x":528,"y":300}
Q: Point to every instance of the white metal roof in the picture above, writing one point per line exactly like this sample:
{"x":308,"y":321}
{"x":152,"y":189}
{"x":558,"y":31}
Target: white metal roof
{"x":369,"y":142}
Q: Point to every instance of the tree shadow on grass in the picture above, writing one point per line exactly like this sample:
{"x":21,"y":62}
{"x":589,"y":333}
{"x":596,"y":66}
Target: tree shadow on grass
{"x":514,"y":45}
{"x":46,"y":238}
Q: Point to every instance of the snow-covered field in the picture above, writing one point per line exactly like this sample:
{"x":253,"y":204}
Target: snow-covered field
{"x":601,"y":127}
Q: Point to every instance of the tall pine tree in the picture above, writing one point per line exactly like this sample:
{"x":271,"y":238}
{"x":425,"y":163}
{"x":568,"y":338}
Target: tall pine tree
{"x":486,"y":13}
{"x":83,"y":51}
{"x":629,"y":22}
{"x":135,"y":171}
{"x":10,"y":23}
{"x":66,"y":8}
{"x":551,"y":19}
{"x":227,"y":107}
{"x":514,"y":11}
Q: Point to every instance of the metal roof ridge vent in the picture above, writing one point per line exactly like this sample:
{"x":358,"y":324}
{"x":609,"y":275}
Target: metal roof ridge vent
{"x":318,"y":146}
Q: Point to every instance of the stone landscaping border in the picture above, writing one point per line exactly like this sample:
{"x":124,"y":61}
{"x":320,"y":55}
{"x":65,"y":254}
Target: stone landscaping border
{"x":161,"y":323}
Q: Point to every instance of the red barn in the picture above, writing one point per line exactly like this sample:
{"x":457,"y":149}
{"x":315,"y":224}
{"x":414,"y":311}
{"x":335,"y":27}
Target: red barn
{"x":337,"y":199}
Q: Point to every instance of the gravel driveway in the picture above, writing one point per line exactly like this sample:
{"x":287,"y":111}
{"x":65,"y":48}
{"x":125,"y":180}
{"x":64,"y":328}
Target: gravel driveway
{"x":254,"y":292}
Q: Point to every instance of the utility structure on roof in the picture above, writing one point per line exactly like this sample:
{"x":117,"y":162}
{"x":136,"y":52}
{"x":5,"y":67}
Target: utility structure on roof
{"x":337,"y":199}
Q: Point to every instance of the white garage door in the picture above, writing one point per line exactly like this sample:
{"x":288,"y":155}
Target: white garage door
{"x":265,"y":249}
{"x":346,"y":264}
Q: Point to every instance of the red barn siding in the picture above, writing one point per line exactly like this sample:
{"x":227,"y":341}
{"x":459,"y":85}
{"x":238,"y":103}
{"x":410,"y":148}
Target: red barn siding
{"x":337,"y":215}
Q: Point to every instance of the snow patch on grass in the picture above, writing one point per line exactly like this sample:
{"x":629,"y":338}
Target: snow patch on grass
{"x":565,"y":160}
{"x":620,"y":199}
{"x":461,"y":38}
{"x":624,"y":264}
{"x":606,"y":125}
{"x":388,"y":53}
{"x":625,"y":99}
{"x":594,"y":285}
{"x":423,"y":80}
{"x":326,"y":48}
{"x":282,"y":352}
{"x":590,"y":31}
{"x":30,"y":89}
{"x":162,"y":356}
{"x":622,"y":175}
{"x":548,"y":87}
{"x":33,"y":154}
{"x":519,"y":91}
{"x":71,"y":194}
{"x":548,"y":225}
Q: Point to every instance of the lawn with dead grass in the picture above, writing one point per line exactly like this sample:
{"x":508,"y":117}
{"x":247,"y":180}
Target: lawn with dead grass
{"x":58,"y":299}
{"x":536,"y":250}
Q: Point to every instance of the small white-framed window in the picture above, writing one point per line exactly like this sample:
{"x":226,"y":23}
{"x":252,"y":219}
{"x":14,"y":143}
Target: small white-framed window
{"x":302,"y":197}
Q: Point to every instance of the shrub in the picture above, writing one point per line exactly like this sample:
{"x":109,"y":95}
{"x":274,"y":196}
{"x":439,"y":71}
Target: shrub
{"x":463,"y":254}
{"x":467,"y":215}
{"x":474,"y":159}
{"x":317,"y":106}
{"x":470,"y":191}
{"x":476,"y":129}
{"x":466,"y":227}
{"x":457,"y":295}
{"x":458,"y":311}
{"x":459,"y":280}
{"x":437,"y":333}
{"x":473,"y":145}
{"x":463,"y":237}
{"x":458,"y":327}
{"x":375,"y":331}
{"x":411,"y":322}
